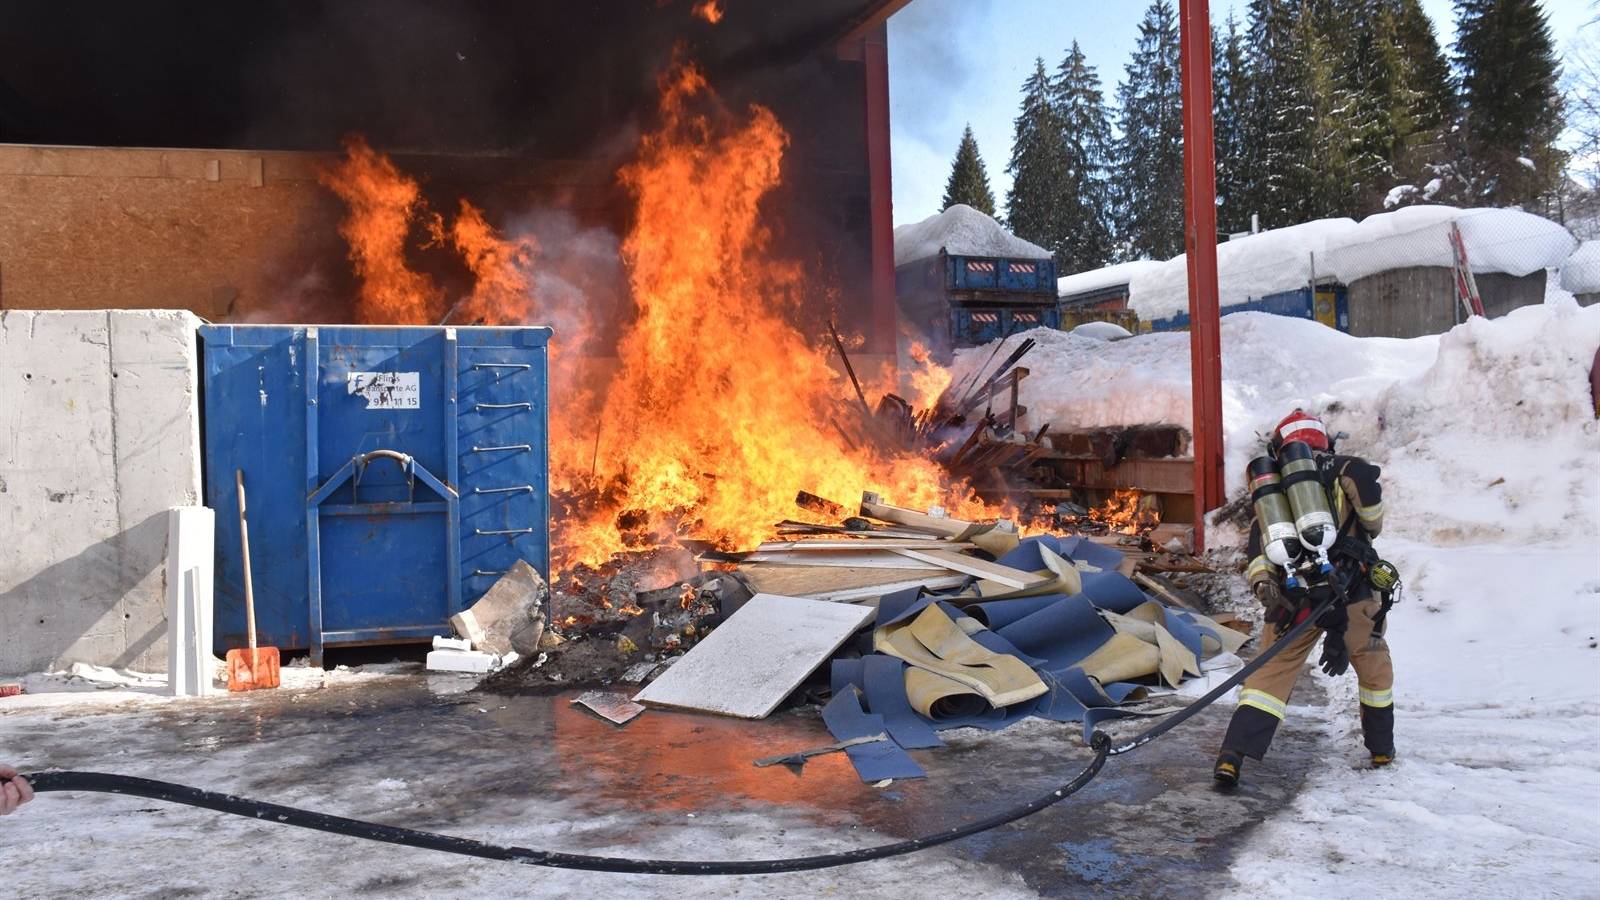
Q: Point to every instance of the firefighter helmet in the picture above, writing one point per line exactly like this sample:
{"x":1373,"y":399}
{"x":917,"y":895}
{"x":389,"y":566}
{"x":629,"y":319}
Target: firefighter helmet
{"x":1301,"y":426}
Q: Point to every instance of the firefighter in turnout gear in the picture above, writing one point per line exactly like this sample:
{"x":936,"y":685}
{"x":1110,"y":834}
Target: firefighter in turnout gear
{"x":1299,"y":552}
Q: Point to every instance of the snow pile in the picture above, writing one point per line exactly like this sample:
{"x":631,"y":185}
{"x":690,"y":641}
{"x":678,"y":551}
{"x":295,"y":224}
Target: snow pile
{"x":1489,"y":447}
{"x":1580,"y":274}
{"x":1270,"y":364}
{"x":1497,"y":440}
{"x":1286,"y":259}
{"x":1102,"y":331}
{"x":1109,"y":276}
{"x":961,"y":231}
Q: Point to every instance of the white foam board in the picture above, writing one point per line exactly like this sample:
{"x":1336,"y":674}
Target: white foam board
{"x":759,"y":656}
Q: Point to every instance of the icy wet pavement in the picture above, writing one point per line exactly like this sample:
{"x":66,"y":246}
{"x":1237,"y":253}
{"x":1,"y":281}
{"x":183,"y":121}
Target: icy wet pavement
{"x":537,"y":772}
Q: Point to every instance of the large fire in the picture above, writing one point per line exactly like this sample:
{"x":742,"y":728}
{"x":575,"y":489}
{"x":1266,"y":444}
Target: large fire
{"x":721,"y":406}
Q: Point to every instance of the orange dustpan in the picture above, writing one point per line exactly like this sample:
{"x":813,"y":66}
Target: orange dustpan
{"x":256,"y":667}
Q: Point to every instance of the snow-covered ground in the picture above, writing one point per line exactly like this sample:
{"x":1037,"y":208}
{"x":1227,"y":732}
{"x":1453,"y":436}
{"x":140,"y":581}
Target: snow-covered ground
{"x":1491,"y":455}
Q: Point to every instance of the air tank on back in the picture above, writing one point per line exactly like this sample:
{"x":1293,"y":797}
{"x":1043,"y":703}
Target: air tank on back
{"x":1280,"y":540}
{"x":1307,"y":500}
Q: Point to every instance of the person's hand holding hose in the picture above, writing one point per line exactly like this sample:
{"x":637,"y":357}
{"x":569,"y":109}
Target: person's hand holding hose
{"x":14,"y":790}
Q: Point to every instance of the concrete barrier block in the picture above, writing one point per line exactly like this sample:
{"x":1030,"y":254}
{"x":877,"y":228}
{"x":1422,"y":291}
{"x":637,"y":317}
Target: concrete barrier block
{"x":99,"y":437}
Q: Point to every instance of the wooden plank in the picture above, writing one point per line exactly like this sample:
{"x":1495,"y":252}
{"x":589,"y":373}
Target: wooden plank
{"x":873,"y":505}
{"x":1166,"y":592}
{"x":871,"y":594}
{"x":885,"y":559}
{"x":978,"y":568}
{"x":861,"y":545}
{"x":840,"y":584}
{"x":751,"y":662}
{"x":1160,"y":476}
{"x":877,"y":532}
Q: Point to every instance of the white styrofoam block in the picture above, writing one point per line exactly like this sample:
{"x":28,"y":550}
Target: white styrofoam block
{"x":461,"y":661}
{"x":191,"y":544}
{"x":445,"y":643}
{"x":755,"y":659}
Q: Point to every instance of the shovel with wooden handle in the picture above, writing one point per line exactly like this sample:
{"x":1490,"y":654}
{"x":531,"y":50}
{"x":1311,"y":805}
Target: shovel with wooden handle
{"x":256,"y":667}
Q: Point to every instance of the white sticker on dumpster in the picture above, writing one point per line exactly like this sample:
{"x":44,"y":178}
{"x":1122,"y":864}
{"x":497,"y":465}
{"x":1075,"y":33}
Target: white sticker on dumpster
{"x":386,"y":390}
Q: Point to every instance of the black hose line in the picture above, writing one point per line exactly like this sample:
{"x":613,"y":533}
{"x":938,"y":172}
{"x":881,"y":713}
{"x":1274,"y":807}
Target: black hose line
{"x":44,"y":782}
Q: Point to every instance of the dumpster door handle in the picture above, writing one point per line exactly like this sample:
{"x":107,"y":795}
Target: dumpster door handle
{"x":408,"y":465}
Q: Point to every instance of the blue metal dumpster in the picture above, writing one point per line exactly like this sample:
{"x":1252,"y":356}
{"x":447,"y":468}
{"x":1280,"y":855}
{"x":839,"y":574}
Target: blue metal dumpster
{"x":392,"y":474}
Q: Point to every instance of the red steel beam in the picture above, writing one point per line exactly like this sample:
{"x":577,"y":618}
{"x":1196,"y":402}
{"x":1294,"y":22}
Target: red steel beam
{"x":876,"y":56}
{"x":1200,"y":244}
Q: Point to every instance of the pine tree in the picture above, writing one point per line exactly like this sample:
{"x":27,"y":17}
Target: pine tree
{"x":1079,"y":104}
{"x":1235,"y":176}
{"x":1281,"y":114}
{"x":1380,"y":99}
{"x":1512,"y":108}
{"x":1149,"y":182}
{"x":1266,"y":39}
{"x":1039,"y":167}
{"x":969,"y":181}
{"x":1327,"y":174}
{"x":1433,"y":91}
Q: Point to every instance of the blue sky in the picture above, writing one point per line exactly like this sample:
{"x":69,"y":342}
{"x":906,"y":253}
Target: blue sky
{"x":957,"y":61}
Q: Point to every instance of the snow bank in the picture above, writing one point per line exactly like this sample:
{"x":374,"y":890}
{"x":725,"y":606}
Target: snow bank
{"x":1580,"y":274}
{"x":1284,"y":259}
{"x":1110,"y":276}
{"x":963,"y":231}
{"x":1270,"y":364}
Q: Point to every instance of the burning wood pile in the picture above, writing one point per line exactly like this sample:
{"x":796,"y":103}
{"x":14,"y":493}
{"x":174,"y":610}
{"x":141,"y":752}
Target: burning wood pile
{"x":1083,"y":481}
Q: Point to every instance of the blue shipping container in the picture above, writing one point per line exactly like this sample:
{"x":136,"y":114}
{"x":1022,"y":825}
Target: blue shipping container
{"x":1329,"y":304}
{"x":392,"y":474}
{"x":976,"y":325}
{"x":982,"y":273}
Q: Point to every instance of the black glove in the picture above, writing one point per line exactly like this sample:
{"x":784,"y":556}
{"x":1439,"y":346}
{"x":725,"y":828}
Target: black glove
{"x":1335,"y":654}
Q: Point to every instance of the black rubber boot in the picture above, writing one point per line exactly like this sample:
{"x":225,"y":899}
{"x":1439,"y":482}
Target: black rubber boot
{"x":1228,"y":768}
{"x":1377,"y":732}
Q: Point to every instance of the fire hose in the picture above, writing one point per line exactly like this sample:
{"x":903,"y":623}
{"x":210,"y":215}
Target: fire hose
{"x":1100,"y":743}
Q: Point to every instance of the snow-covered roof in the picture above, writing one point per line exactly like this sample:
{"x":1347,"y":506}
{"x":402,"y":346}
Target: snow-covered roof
{"x":1580,"y":274}
{"x":1266,"y":263}
{"x":1110,"y":276}
{"x":1497,"y":240}
{"x":1283,"y":259}
{"x":962,"y":231}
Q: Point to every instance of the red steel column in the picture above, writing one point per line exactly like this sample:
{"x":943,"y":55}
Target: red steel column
{"x":1200,"y":243}
{"x":878,"y":169}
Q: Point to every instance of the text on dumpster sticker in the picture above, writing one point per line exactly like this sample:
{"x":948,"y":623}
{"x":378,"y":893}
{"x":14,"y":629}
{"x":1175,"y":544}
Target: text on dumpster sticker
{"x":386,"y":390}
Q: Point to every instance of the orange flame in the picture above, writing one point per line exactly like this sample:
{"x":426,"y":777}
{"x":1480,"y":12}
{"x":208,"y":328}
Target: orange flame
{"x":721,"y":407}
{"x":1127,"y":512}
{"x":709,"y":10}
{"x":927,"y":379}
{"x":502,"y":292}
{"x":382,"y":204}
